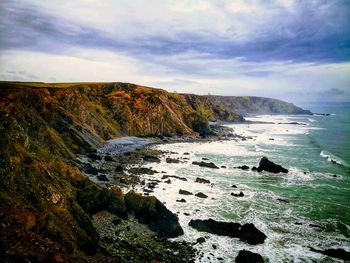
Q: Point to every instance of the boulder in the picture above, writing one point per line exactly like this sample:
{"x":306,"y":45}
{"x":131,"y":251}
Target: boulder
{"x":200,"y":240}
{"x":171,"y":160}
{"x":245,"y":256}
{"x":243,"y":167}
{"x":90,"y":169}
{"x":102,"y":177}
{"x":150,"y":158}
{"x":141,"y":170}
{"x":184,"y":192}
{"x":150,"y":211}
{"x":268,"y":166}
{"x":334,"y":253}
{"x":202,"y":181}
{"x":238,"y":195}
{"x":247,"y":232}
{"x":108,"y":158}
{"x":119,"y":169}
{"x":201,"y":195}
{"x":205,"y":164}
{"x":181,"y":200}
{"x":94,"y":156}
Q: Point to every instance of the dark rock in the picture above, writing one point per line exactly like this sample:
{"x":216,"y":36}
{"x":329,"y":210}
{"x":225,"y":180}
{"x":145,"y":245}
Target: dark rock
{"x":94,"y":156}
{"x":204,"y":164}
{"x":247,"y":232}
{"x":141,"y":170}
{"x":238,"y":195}
{"x":234,"y":186}
{"x":173,"y":176}
{"x":108,"y":158}
{"x":223,"y":166}
{"x":93,"y":199}
{"x":147,"y":191}
{"x":334,"y":253}
{"x":317,"y":226}
{"x":201,"y":195}
{"x":90,"y":170}
{"x":184,"y":192}
{"x":205,"y":159}
{"x":116,"y":221}
{"x":200,"y":240}
{"x":167,"y":181}
{"x":151,"y":211}
{"x":150,"y":158}
{"x":298,"y":223}
{"x":186,"y":153}
{"x":245,"y":256}
{"x":254,"y":168}
{"x":119,"y":169}
{"x":283,"y":200}
{"x":268,"y":166}
{"x":171,"y":160}
{"x":243,"y":167}
{"x":102,"y":177}
{"x":202,"y":181}
{"x":186,"y":214}
{"x":214,"y":246}
{"x":181,"y":200}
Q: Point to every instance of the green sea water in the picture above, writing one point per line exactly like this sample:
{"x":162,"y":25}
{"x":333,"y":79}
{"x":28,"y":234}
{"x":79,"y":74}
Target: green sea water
{"x":308,"y":207}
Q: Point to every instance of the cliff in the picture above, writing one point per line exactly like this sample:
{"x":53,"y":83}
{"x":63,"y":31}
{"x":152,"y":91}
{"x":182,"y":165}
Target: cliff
{"x":45,"y":200}
{"x":246,"y":105}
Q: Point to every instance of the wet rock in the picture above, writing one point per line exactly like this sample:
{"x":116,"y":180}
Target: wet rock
{"x":171,"y":160}
{"x":234,"y":186}
{"x":181,"y":200}
{"x":94,"y":156}
{"x":238,"y":195}
{"x":201,"y":195}
{"x":119,"y":169}
{"x":202,"y":181}
{"x":205,"y":159}
{"x":186,"y":214}
{"x":167,"y":181}
{"x":186,"y":153}
{"x":316,"y":226}
{"x":334,"y":253}
{"x":243,"y":167}
{"x":283,"y":200}
{"x":204,"y":164}
{"x":254,"y":168}
{"x":151,"y":211}
{"x":223,"y":166}
{"x":173,"y":176}
{"x":214,"y":246}
{"x":245,"y":256}
{"x":247,"y":232}
{"x":141,"y":170}
{"x":268,"y":166}
{"x":145,"y":190}
{"x":108,"y":158}
{"x":150,"y":158}
{"x":102,"y":177}
{"x":200,"y":240}
{"x":184,"y":192}
{"x":90,"y":170}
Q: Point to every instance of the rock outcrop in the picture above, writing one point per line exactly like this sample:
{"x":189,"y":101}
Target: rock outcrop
{"x":268,"y":166}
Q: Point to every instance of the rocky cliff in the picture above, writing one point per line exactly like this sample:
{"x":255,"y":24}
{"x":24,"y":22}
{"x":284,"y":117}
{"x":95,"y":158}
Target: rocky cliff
{"x":246,"y":105}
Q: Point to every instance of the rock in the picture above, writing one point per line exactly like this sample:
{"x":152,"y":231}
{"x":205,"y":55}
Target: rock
{"x":119,"y":169}
{"x":167,"y":181}
{"x":268,"y":166}
{"x":316,"y":226}
{"x":205,"y":159}
{"x":90,"y":170}
{"x":200,"y":240}
{"x":171,"y":160}
{"x":186,"y":214}
{"x":238,"y":195}
{"x":181,"y":200}
{"x":173,"y":176}
{"x":243,"y":167}
{"x":234,"y":186}
{"x":147,"y":191}
{"x":245,"y":256}
{"x":108,"y":158}
{"x":186,"y":153}
{"x":202,"y":181}
{"x":184,"y":192}
{"x":247,"y":232}
{"x":150,"y":211}
{"x":94,"y":156}
{"x":282,"y":200}
{"x":201,"y":195}
{"x":93,"y":199}
{"x":141,"y":170}
{"x":214,"y":246}
{"x":116,"y":221}
{"x":102,"y":177}
{"x":204,"y":164}
{"x":334,"y":253}
{"x":254,"y":168}
{"x":223,"y":166}
{"x":150,"y":158}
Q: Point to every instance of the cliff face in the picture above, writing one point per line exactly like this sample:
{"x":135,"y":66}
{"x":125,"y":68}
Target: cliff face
{"x":43,"y":127}
{"x":257,"y":105}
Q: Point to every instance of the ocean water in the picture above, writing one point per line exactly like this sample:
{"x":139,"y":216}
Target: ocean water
{"x":317,"y":153}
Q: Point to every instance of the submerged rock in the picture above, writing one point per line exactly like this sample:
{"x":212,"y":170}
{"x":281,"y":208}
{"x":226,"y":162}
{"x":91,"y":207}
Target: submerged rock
{"x":247,"y":232}
{"x":201,"y":195}
{"x":181,"y":200}
{"x":245,"y":256}
{"x":268,"y":166}
{"x":184,"y":192}
{"x":202,"y":181}
{"x":171,"y":160}
{"x":150,"y":158}
{"x":208,"y":165}
{"x":150,"y":211}
{"x":243,"y":167}
{"x":238,"y":195}
{"x":334,"y":252}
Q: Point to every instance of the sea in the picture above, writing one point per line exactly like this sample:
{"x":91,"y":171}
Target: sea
{"x":307,"y":207}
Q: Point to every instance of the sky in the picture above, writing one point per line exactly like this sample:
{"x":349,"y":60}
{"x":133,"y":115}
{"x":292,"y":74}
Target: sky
{"x":296,"y":50}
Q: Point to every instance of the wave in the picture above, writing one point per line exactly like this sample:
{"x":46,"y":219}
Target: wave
{"x":332,"y":158}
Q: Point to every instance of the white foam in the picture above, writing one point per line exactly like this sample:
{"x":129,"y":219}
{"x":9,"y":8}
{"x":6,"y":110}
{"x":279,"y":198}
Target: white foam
{"x":332,"y":158}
